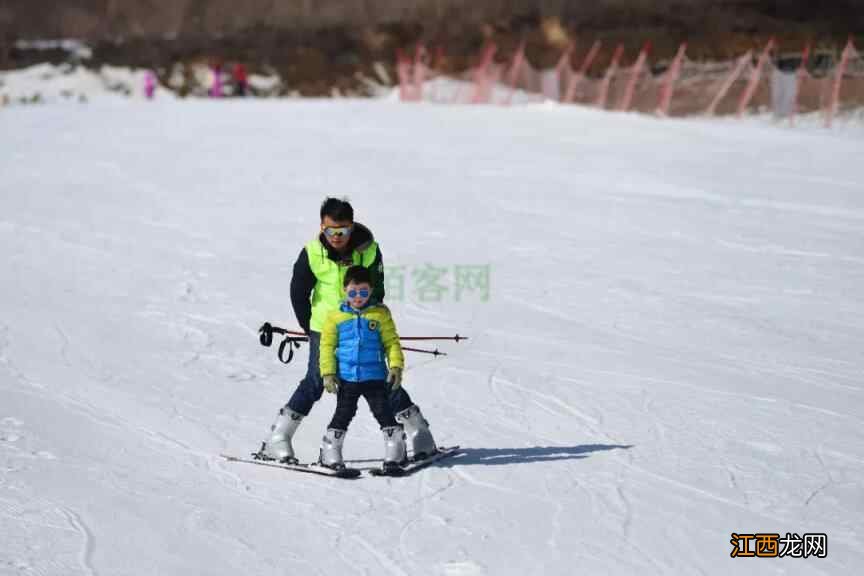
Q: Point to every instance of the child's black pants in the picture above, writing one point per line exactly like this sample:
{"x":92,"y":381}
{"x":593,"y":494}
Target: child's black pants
{"x":376,"y":392}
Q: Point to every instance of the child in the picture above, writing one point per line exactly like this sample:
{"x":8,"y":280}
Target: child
{"x":216,"y":87}
{"x":241,"y":80}
{"x":149,"y":84}
{"x":354,"y":343}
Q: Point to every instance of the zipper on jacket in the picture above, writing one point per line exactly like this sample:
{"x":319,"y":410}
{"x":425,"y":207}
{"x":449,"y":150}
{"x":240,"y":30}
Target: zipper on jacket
{"x":359,"y":344}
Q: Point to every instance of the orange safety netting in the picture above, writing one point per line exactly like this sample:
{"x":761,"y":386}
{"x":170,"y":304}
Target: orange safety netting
{"x":682,"y":88}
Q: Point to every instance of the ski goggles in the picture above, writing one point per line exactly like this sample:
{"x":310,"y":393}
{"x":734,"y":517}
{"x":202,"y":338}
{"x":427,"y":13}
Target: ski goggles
{"x":331,"y":232}
{"x":363,"y":293}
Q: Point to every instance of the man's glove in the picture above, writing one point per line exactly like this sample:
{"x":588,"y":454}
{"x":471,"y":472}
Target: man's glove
{"x":394,"y":378}
{"x":331,"y":383}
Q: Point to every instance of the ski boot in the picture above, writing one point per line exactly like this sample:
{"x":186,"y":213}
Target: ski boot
{"x":278,"y":447}
{"x":417,"y":432}
{"x":330,"y":454}
{"x":395,"y":455}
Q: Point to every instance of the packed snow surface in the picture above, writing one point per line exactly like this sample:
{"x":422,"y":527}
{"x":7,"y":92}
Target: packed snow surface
{"x":670,"y":350}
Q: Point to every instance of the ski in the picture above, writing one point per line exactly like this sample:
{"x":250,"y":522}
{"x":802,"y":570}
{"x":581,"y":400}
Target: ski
{"x":348,"y":472}
{"x":302,"y":467}
{"x":416,"y":465}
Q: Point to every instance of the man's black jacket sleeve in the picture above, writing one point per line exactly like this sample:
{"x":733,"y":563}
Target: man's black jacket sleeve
{"x":302,"y":283}
{"x":377,"y":270}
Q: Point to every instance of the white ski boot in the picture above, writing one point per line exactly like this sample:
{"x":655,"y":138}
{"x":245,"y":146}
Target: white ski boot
{"x":417,"y":432}
{"x":278,"y":446}
{"x":395,"y":455}
{"x":331,"y":449}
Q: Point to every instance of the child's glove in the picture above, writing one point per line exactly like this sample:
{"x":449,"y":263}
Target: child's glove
{"x":331,"y":383}
{"x":394,"y":378}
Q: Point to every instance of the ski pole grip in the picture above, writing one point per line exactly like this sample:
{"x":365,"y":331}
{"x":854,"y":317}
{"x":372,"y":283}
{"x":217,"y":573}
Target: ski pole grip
{"x":266,"y":335}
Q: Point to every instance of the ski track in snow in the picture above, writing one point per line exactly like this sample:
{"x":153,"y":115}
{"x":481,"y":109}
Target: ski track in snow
{"x":89,"y":542}
{"x":670,"y":352}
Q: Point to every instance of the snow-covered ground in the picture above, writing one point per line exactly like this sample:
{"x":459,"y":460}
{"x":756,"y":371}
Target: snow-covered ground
{"x":52,"y":83}
{"x":671,"y":349}
{"x":49,"y":83}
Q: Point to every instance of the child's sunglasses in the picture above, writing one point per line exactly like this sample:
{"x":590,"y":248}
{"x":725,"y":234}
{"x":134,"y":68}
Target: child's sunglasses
{"x":337,"y":232}
{"x":363,"y":292}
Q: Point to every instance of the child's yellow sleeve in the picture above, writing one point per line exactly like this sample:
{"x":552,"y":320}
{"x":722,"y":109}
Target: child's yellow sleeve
{"x":390,"y":340}
{"x":327,"y":349}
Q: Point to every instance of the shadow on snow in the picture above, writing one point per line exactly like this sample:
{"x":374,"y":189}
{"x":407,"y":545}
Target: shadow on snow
{"x":530,"y":455}
{"x":503,"y":456}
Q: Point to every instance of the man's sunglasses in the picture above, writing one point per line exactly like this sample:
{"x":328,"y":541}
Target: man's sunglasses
{"x":363,"y":292}
{"x":330,"y":232}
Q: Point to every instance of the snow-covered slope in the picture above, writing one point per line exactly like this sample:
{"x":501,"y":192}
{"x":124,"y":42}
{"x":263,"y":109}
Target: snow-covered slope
{"x":48,"y":83}
{"x":670,"y":352}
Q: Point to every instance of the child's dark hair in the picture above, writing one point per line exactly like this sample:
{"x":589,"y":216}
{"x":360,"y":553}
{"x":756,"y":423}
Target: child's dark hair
{"x":358,"y":275}
{"x":338,"y":209}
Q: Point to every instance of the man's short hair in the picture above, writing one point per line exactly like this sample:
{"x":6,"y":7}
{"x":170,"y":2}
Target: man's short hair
{"x":358,"y":275}
{"x":338,"y":209}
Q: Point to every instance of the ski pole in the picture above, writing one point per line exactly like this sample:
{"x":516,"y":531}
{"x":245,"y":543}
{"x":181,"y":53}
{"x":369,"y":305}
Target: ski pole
{"x":291,"y":341}
{"x":433,"y":352}
{"x":456,"y":338}
{"x":270,"y":329}
{"x":291,"y":332}
{"x":293,"y":338}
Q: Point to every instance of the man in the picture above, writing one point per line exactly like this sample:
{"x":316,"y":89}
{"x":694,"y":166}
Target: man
{"x":316,"y":290}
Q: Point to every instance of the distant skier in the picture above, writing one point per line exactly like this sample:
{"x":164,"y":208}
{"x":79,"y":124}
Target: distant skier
{"x":355,"y":341}
{"x":149,"y":84}
{"x":216,"y":86}
{"x":241,"y":80}
{"x":316,"y":290}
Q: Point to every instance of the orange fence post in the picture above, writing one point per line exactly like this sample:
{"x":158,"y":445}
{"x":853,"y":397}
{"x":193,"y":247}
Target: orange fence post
{"x":515,"y":68}
{"x":563,"y":62}
{"x":627,"y":98}
{"x":419,"y":72}
{"x":724,"y":88}
{"x":403,"y":73}
{"x":755,"y":76}
{"x":576,"y":78}
{"x":437,"y":65}
{"x":607,"y":79}
{"x":799,"y":79}
{"x":669,"y":82}
{"x":838,"y":80}
{"x":481,"y":75}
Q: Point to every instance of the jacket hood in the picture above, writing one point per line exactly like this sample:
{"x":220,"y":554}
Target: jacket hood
{"x":361,"y":238}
